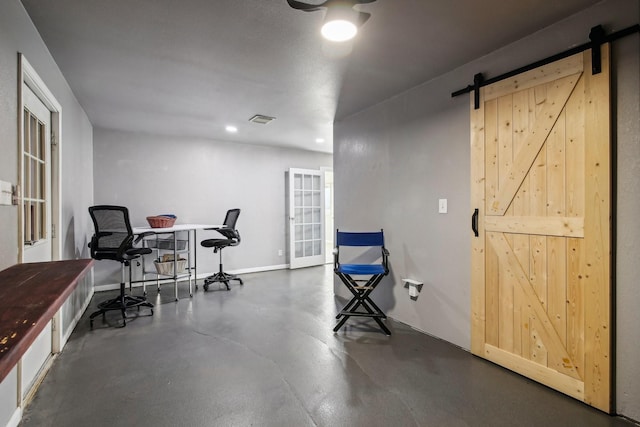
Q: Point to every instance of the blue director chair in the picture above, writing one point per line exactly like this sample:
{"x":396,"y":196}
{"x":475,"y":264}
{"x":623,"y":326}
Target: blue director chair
{"x":361,"y":288}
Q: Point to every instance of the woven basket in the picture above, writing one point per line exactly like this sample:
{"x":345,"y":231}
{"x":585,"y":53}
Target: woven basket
{"x":161,"y":221}
{"x":166,"y":268}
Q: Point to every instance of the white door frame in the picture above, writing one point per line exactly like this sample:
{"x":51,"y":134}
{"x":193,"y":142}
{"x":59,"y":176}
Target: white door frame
{"x":329,"y":229}
{"x":30,"y":77}
{"x":304,"y":261}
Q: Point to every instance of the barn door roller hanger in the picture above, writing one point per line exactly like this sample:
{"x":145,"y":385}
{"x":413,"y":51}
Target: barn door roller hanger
{"x":598,"y":37}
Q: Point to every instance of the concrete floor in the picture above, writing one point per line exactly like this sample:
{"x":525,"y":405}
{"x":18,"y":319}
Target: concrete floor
{"x":264,"y":354}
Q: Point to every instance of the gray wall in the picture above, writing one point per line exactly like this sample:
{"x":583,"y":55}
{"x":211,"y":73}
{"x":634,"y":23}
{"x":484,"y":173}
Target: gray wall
{"x":198,"y":180}
{"x":394,"y":161}
{"x":17,"y":34}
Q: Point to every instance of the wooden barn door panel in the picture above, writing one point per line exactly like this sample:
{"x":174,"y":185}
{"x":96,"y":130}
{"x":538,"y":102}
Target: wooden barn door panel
{"x":541,"y":263}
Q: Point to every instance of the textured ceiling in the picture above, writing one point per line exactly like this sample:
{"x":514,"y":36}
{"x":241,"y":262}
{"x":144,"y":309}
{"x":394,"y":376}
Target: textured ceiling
{"x":189,"y":68}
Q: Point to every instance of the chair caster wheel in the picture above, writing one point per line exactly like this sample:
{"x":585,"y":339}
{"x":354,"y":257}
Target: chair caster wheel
{"x":205,"y":287}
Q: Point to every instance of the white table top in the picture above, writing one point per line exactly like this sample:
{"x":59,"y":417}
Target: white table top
{"x":176,"y":227}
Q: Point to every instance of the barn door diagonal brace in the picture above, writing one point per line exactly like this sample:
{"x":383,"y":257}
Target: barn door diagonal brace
{"x":597,"y":36}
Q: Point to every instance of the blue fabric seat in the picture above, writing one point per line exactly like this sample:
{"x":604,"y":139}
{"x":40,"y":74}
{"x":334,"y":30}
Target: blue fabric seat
{"x":360,"y":269}
{"x":375,"y":270}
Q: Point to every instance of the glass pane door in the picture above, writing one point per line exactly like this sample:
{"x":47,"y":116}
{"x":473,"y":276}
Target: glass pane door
{"x":306,"y":218}
{"x":36,"y":179}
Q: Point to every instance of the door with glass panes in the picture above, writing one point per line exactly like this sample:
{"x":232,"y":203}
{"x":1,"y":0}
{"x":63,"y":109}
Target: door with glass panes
{"x":306,"y":218}
{"x":36,"y":179}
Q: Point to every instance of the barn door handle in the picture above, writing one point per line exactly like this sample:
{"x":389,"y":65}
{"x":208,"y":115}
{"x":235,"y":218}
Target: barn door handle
{"x":474,"y":222}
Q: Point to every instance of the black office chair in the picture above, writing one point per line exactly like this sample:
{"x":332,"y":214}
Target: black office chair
{"x":232,"y":238}
{"x":114,"y":240}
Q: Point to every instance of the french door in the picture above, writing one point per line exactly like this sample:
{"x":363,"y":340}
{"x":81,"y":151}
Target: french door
{"x":306,"y":217}
{"x":541,"y":257}
{"x":36,"y":179}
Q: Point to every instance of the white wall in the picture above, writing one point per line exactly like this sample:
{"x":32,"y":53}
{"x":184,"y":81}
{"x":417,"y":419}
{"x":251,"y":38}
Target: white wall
{"x":198,"y":180}
{"x":17,"y":34}
{"x":394,"y":161}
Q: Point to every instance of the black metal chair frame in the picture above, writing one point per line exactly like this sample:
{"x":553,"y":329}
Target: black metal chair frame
{"x":124,"y":254}
{"x":232,"y":238}
{"x":361,"y":293}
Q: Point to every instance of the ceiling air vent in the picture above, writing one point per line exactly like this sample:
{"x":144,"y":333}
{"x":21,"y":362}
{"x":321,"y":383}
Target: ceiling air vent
{"x":261,"y":120}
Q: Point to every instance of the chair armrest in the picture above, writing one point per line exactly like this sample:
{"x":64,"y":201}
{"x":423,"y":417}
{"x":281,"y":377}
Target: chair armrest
{"x":94,"y":239}
{"x":219,"y":228}
{"x":143,"y":235}
{"x":229,"y":233}
{"x":385,"y":259}
{"x":126,"y":244}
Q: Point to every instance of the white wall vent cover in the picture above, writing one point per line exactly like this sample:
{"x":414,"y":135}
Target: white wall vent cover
{"x":261,"y":119}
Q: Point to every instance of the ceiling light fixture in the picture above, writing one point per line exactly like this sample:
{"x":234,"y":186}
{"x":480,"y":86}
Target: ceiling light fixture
{"x":341,"y":20}
{"x":339,"y":24}
{"x":231,"y":129}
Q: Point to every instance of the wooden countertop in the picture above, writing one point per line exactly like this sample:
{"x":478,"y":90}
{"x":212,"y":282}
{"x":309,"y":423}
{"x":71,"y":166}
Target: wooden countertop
{"x":30,"y":295}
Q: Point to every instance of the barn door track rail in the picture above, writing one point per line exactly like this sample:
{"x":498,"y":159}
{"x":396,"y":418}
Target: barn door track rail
{"x":597,"y":37}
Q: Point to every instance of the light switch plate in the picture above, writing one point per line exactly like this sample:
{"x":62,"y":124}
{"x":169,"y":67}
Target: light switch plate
{"x":442,"y":206}
{"x":6,"y":191}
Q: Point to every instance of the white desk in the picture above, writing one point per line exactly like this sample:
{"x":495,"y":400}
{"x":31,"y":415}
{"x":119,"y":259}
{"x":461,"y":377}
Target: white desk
{"x":189,"y":229}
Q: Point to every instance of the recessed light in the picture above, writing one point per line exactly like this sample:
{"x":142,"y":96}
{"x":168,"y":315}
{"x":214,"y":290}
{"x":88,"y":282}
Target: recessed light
{"x":231,"y":129}
{"x":319,"y":140}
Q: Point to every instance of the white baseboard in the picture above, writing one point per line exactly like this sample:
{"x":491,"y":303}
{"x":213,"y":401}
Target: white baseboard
{"x":255,"y":269}
{"x":15,"y":418}
{"x":77,"y":317}
{"x":115,"y":286}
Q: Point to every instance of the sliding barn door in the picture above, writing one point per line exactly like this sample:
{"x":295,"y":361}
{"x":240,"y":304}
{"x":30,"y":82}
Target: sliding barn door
{"x":541,"y":289}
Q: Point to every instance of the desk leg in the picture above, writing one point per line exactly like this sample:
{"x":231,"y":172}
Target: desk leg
{"x":144,"y":277}
{"x":157,"y":275}
{"x":175,"y":265}
{"x":144,"y":269}
{"x":195,"y":257}
{"x":189,"y":262}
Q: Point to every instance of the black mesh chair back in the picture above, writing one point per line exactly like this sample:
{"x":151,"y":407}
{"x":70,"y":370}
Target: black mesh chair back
{"x":231,"y":218}
{"x":229,"y":231}
{"x":113,"y":234}
{"x":231,"y":238}
{"x":113,"y":239}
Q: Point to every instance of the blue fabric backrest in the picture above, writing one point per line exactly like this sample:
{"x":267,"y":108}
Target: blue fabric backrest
{"x":359,"y":239}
